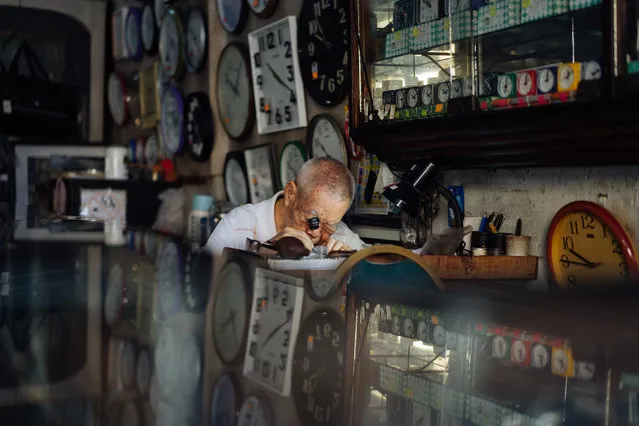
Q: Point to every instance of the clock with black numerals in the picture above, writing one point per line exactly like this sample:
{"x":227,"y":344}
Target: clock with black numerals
{"x":318,"y":388}
{"x":275,"y":318}
{"x":277,"y":84}
{"x":323,"y":39}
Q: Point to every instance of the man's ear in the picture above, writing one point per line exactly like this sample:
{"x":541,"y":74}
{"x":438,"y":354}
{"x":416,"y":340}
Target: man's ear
{"x":290,"y":192}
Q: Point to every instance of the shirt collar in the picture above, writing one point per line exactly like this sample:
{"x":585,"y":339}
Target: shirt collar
{"x":265,"y":228}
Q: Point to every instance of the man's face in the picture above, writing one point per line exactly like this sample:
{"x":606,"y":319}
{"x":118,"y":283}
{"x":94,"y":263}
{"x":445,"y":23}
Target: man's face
{"x":319,"y":204}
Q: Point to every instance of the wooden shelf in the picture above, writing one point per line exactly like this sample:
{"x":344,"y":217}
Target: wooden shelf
{"x":483,"y":267}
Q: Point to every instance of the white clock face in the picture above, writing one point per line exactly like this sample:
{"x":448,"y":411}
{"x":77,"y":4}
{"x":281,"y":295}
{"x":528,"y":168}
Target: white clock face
{"x":327,"y":140}
{"x":519,"y":351}
{"x":113,"y":302}
{"x":443,"y":92}
{"x":591,"y":70}
{"x":409,"y":329}
{"x":195,"y":40}
{"x":427,"y":95}
{"x":151,"y":150}
{"x":422,"y":331}
{"x":277,"y":83}
{"x":148,"y":28}
{"x":584,"y":370}
{"x":127,"y":364}
{"x":545,"y":80}
{"x":160,"y":10}
{"x":566,"y":77}
{"x":132,"y":33}
{"x":539,"y":356}
{"x":169,"y":279}
{"x":230,"y":13}
{"x":258,"y":6}
{"x":524,"y":83}
{"x":260,"y":174}
{"x":235,"y":183}
{"x":117,"y":102}
{"x":275,"y":317}
{"x":400,"y":100}
{"x":504,"y":86}
{"x":172,"y":119}
{"x":457,"y":89}
{"x":234,"y":92}
{"x":559,"y":362}
{"x":143,"y":371}
{"x":292,"y":159}
{"x":413,"y":97}
{"x":230,"y":312}
{"x":397,"y":325}
{"x":322,"y":287}
{"x":171,"y":44}
{"x":500,"y":347}
{"x":254,"y":412}
{"x":439,"y":335}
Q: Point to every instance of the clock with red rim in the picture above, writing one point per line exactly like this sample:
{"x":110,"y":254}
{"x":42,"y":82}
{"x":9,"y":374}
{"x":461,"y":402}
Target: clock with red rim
{"x":587,"y":246}
{"x":526,"y":83}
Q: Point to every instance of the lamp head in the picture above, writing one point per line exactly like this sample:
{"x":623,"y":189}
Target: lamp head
{"x":407,"y":193}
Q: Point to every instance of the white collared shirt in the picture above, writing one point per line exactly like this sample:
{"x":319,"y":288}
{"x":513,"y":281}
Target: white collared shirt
{"x":257,"y":222}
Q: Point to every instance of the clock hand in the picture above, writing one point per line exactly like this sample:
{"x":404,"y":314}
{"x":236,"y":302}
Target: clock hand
{"x":274,"y":331}
{"x":592,"y":264}
{"x":321,"y":30}
{"x":277,"y":77}
{"x":322,"y":148}
{"x":233,"y":87}
{"x":570,"y":262}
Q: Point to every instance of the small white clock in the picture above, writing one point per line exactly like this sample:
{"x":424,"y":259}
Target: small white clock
{"x":230,"y":312}
{"x":539,"y":356}
{"x":584,"y":370}
{"x":422,"y":331}
{"x":277,"y":83}
{"x":457,"y":89}
{"x":505,"y":86}
{"x":409,"y":328}
{"x":275,"y":318}
{"x":500,"y":347}
{"x":324,"y":138}
{"x":255,"y":411}
{"x":443,"y":92}
{"x":525,"y":83}
{"x":235,"y":179}
{"x":397,"y":325}
{"x":451,"y":340}
{"x":439,"y":336}
{"x":546,"y":80}
{"x":292,"y":158}
{"x":427,"y":95}
{"x":260,"y":173}
{"x":400,"y":99}
{"x":172,"y":45}
{"x":413,"y":97}
{"x":560,"y":362}
{"x":567,"y":75}
{"x":196,"y":40}
{"x":519,"y":351}
{"x":591,"y":70}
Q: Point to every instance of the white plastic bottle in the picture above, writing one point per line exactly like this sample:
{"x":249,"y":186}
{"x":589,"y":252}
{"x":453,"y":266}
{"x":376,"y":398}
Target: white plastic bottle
{"x":198,"y":226}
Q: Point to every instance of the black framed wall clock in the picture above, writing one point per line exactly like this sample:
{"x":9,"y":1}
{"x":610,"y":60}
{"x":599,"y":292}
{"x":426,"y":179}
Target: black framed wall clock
{"x":200,"y":132}
{"x":323,"y":38}
{"x":234,"y":91}
{"x":318,"y":373}
{"x":233,"y":15}
{"x":235,"y":178}
{"x":280,"y":101}
{"x":262,"y":8}
{"x":196,"y":40}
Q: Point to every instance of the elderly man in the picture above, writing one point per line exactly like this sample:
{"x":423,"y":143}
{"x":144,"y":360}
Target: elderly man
{"x":310,"y":209}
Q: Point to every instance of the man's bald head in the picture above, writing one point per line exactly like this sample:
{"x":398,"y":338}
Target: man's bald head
{"x":326,"y":175}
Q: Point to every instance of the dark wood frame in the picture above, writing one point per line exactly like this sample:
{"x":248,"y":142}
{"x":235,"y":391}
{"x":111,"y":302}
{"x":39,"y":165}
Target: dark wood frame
{"x":599,"y":130}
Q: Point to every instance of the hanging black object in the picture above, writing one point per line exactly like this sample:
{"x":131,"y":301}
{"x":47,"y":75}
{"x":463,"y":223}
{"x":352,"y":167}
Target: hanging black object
{"x":33,"y":107}
{"x":199,"y":126}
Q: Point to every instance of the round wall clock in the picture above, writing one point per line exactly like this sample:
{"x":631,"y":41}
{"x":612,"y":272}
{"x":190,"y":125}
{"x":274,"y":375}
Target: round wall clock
{"x":320,"y":288}
{"x":151,"y":150}
{"x":199,"y":126}
{"x":197,"y":280}
{"x":196,"y":40}
{"x":127,"y":363}
{"x":255,"y":411}
{"x":149,"y":29}
{"x":224,"y":401}
{"x":586,"y":245}
{"x":233,"y":15}
{"x":235,"y":179}
{"x":172,"y":45}
{"x":262,"y":8}
{"x":172,"y":121}
{"x":159,"y":7}
{"x":169,"y":276}
{"x":292,"y":158}
{"x":323,"y":38}
{"x":116,"y":296}
{"x":118,"y":97}
{"x":143,"y":372}
{"x":324,"y":138}
{"x":318,"y":374}
{"x":234,"y":91}
{"x":132,"y":31}
{"x":230,"y":312}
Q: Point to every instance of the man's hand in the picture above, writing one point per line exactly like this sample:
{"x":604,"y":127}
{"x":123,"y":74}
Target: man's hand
{"x":334,"y":245}
{"x":300,"y":235}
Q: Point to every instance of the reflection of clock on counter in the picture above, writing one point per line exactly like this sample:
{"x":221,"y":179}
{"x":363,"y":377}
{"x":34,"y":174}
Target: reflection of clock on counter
{"x":260,"y":172}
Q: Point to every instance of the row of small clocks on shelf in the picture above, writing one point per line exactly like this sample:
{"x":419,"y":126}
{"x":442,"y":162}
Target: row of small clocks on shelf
{"x":258,"y":327}
{"x":250,"y":174}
